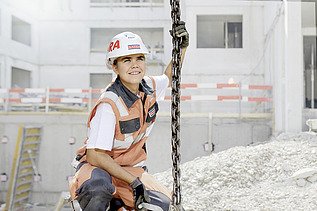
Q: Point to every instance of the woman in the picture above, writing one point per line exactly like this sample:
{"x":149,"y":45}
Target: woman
{"x":111,"y":174}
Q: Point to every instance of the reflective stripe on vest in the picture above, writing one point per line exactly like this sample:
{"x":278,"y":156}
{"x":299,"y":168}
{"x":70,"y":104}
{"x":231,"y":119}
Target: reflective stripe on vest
{"x":118,"y":144}
{"x":139,"y":137}
{"x":116,"y":99}
{"x":128,"y":138}
{"x":141,"y":164}
{"x":148,"y":130}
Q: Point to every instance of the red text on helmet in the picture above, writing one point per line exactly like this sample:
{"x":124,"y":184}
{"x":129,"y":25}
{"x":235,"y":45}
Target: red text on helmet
{"x":114,"y":45}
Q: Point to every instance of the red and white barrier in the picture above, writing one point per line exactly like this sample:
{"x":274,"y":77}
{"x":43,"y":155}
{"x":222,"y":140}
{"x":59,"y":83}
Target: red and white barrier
{"x":224,"y":86}
{"x":69,"y":100}
{"x":183,"y":86}
{"x":74,"y":91}
{"x":222,"y":98}
{"x":84,"y":97}
{"x":26,"y":100}
{"x":26,"y":90}
{"x":50,"y":90}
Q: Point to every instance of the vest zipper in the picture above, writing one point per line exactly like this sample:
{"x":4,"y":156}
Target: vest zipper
{"x":143,"y":103}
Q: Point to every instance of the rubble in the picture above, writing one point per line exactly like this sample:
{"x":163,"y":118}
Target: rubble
{"x":278,"y":175}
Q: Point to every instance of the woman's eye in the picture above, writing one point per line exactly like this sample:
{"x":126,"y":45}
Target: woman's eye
{"x":126,"y":60}
{"x":141,"y":59}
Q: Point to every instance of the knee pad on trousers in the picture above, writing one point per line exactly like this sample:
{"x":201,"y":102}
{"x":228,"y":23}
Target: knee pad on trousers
{"x":96,"y":193}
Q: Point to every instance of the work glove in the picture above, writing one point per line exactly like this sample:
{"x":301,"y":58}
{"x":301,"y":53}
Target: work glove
{"x":182,"y":33}
{"x":140,"y":195}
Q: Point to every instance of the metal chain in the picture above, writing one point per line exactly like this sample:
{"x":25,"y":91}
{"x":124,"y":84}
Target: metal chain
{"x":175,"y":109}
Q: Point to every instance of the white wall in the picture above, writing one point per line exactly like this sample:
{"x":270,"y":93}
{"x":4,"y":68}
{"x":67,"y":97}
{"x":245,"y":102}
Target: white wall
{"x":274,"y":59}
{"x":68,"y":76}
{"x":294,"y":79}
{"x":284,"y":63}
{"x":218,"y":65}
{"x":65,"y":38}
{"x":13,"y":53}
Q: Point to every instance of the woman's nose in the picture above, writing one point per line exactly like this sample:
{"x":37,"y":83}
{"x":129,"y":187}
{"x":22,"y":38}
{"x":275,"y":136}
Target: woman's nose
{"x":134,"y":62}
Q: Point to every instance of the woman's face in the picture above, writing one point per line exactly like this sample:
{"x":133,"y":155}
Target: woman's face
{"x":131,"y":70}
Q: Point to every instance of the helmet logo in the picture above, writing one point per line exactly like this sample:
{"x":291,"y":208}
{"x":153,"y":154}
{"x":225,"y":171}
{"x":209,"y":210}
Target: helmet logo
{"x":135,"y":46}
{"x":114,"y":45}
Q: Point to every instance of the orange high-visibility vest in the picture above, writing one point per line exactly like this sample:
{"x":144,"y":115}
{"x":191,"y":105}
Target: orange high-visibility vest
{"x":134,"y":121}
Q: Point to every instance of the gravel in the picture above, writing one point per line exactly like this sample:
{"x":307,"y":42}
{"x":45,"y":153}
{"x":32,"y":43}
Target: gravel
{"x":277,"y":175}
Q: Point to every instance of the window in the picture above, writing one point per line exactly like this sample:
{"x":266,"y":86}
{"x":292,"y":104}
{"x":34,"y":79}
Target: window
{"x":20,"y":78}
{"x":310,"y":71}
{"x":219,"y":31}
{"x":21,"y":31}
{"x":100,"y":80}
{"x":152,"y":38}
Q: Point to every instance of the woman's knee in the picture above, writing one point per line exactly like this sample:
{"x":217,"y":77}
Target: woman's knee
{"x":101,"y":181}
{"x":96,"y":190}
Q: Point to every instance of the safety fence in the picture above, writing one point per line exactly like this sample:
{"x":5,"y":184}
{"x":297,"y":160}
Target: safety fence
{"x":264,"y":98}
{"x":126,"y":3}
{"x":257,"y":98}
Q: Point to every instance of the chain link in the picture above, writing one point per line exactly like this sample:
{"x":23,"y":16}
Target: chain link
{"x":175,"y":109}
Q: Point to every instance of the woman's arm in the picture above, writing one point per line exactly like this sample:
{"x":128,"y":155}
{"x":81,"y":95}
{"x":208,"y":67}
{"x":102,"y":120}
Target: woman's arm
{"x":102,"y":160}
{"x":168,"y":70}
{"x":182,"y":34}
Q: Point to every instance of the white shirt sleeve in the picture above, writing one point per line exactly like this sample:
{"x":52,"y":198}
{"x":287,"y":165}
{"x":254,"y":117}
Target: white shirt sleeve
{"x":102,"y":128}
{"x":161,"y":84}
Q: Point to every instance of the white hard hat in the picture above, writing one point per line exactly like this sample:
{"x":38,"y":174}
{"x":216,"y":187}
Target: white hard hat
{"x":123,"y":44}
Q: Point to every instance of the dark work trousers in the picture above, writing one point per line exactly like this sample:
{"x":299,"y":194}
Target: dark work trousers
{"x":95,"y":194}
